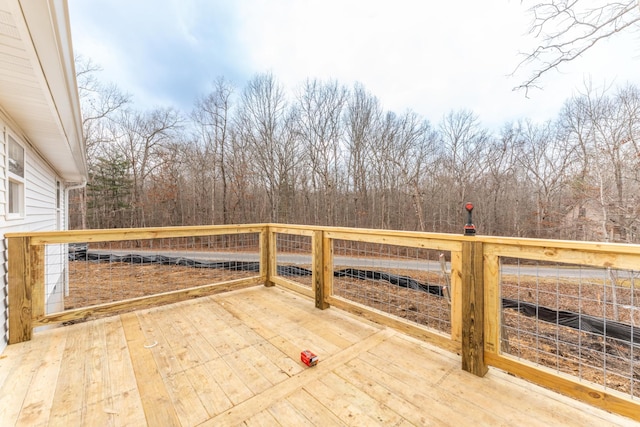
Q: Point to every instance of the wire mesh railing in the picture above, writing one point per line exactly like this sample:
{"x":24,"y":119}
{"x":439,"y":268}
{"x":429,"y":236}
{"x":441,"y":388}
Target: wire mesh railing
{"x":577,"y":320}
{"x":110,"y":271}
{"x":406,"y":282}
{"x":68,"y":276}
{"x":294,"y":258}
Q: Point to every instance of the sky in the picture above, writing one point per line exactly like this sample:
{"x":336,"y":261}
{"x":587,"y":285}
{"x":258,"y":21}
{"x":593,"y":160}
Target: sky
{"x":424,"y":56}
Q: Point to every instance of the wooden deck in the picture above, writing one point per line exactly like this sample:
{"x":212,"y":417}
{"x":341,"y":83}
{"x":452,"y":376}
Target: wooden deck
{"x":233,"y":359}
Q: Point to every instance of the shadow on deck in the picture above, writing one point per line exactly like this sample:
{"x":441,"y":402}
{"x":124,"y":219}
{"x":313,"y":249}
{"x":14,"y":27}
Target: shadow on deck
{"x":234,"y":358}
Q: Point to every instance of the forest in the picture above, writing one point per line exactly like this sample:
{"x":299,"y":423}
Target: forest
{"x":326,"y":154}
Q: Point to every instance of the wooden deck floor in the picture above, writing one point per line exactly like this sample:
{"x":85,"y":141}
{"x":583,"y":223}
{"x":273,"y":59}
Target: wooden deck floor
{"x":233,"y":359}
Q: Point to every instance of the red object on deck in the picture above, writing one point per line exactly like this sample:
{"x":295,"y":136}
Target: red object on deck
{"x":308,"y":358}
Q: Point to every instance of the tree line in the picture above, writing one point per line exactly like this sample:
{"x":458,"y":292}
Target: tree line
{"x":327,"y":154}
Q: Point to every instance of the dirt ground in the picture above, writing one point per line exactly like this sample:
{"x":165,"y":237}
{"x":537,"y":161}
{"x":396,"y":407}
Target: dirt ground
{"x":607,"y":362}
{"x":93,"y":283}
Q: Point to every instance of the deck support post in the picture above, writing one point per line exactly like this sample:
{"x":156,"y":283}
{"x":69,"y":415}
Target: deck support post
{"x":473,"y":308}
{"x":319,"y":276}
{"x":20,"y":289}
{"x":267,"y":255}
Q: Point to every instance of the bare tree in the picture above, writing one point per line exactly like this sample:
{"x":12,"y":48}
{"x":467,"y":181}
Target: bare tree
{"x":547,"y":158}
{"x":568,"y":28}
{"x":362,"y":122}
{"x":414,"y":154}
{"x":140,"y":137}
{"x":464,"y":142}
{"x":212,"y":114}
{"x":98,"y":102}
{"x":263,"y":121}
{"x":319,"y":125}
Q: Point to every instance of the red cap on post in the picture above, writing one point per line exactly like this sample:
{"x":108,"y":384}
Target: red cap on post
{"x":469,"y":228}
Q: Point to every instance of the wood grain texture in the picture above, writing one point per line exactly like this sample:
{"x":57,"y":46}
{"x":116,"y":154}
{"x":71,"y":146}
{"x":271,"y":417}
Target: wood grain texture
{"x":318,"y":277}
{"x":154,"y":395}
{"x":20,"y":290}
{"x":234,"y":359}
{"x":473,"y":309}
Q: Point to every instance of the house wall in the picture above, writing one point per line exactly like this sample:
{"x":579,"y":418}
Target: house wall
{"x":40,"y":214}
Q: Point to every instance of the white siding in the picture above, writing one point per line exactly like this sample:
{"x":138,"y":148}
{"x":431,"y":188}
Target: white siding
{"x":40,"y":215}
{"x":3,"y":177}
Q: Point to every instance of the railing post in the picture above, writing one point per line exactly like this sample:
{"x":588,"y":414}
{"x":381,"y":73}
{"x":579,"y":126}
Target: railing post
{"x":20,"y":289}
{"x":319,"y":275}
{"x":267,"y":255}
{"x":456,"y":296}
{"x":473,"y":308}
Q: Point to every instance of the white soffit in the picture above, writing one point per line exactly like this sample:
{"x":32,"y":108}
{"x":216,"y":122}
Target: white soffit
{"x":37,"y":82}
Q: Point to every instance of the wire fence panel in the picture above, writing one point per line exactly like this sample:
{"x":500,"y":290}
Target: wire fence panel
{"x":88,"y":274}
{"x":578,"y":320}
{"x":293,"y":258}
{"x":406,"y":282}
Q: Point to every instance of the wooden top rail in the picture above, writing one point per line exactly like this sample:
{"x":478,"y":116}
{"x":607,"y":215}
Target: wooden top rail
{"x":118,"y":234}
{"x":518,"y":244}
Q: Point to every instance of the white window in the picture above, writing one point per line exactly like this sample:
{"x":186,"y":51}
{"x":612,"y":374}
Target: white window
{"x":15,"y":176}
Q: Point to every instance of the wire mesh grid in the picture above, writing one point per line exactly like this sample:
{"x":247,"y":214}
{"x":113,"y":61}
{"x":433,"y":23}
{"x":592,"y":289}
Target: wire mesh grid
{"x":577,"y":320}
{"x":293,"y":258}
{"x":405,"y":282}
{"x":83,"y":275}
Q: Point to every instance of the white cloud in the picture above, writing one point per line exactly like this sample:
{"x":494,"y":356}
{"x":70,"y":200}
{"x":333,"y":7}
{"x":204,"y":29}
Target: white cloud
{"x":431,"y":57}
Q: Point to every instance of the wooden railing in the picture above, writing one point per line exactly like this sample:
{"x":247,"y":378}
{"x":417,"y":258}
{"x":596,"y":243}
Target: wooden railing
{"x":475,"y":268}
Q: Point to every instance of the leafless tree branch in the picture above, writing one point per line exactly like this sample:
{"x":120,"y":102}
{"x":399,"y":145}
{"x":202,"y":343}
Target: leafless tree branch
{"x":568,"y":28}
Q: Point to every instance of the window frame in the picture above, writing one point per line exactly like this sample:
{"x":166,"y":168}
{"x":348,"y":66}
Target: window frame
{"x":15,"y":179}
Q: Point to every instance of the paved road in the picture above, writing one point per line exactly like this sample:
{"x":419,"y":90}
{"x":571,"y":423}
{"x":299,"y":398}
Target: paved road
{"x":372,"y":263}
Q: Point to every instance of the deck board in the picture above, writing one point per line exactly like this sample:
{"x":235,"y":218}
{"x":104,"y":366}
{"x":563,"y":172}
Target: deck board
{"x":233,"y":359}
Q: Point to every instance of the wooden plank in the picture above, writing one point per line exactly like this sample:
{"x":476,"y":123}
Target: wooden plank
{"x":263,"y":418}
{"x":446,"y":407}
{"x":473,"y":308}
{"x":409,"y":239}
{"x":166,"y":358}
{"x":244,"y":368}
{"x":318,"y":276}
{"x":258,"y":403}
{"x":313,"y":410}
{"x":287,"y":414}
{"x":70,"y":400}
{"x":327,"y":267}
{"x":245,"y":313}
{"x":267,"y":256}
{"x":518,"y":243}
{"x":156,"y":402}
{"x":293,"y":286}
{"x":148,"y":301}
{"x":492,"y":304}
{"x":588,"y":255}
{"x":291,"y":230}
{"x":365,"y":377}
{"x":185,"y":399}
{"x":515,"y":402}
{"x":210,"y":393}
{"x":37,"y":284}
{"x":569,"y":386}
{"x":231,"y":384}
{"x":350,"y":403}
{"x":423,"y":372}
{"x":20,"y":291}
{"x":420,"y":332}
{"x":99,"y":235}
{"x":125,"y":403}
{"x":456,"y":296}
{"x":31,"y":368}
